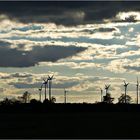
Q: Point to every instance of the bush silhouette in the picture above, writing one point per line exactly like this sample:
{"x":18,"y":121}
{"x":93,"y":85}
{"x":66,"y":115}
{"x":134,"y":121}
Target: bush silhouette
{"x":108,"y":99}
{"x":6,"y":101}
{"x":34,"y":101}
{"x":47,"y":101}
{"x":121,"y":99}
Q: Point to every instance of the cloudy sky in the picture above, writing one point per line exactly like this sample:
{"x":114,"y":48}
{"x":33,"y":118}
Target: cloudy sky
{"x":84,"y":44}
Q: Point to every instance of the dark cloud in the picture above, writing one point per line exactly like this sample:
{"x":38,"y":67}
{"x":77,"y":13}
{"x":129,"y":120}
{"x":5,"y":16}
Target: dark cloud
{"x":12,"y":57}
{"x":105,"y":29}
{"x":23,"y":85}
{"x":134,"y":68}
{"x":66,"y":13}
{"x":92,"y":31}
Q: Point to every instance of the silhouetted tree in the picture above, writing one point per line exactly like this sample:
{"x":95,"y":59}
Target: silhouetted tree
{"x":96,"y":102}
{"x":6,"y":101}
{"x":11,"y":101}
{"x":53,"y":100}
{"x":26,"y":97}
{"x":46,"y":101}
{"x":121,"y":99}
{"x":108,"y":99}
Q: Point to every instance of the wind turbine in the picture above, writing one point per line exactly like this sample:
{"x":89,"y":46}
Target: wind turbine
{"x":125,"y":86}
{"x":137,"y":88}
{"x":50,"y":85}
{"x":101,"y":94}
{"x":40,"y":92}
{"x":106,"y":88}
{"x":45,"y":83}
{"x":65,"y":95}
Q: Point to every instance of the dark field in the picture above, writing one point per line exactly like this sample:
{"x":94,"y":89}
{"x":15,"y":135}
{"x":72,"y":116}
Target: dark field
{"x":70,"y":121}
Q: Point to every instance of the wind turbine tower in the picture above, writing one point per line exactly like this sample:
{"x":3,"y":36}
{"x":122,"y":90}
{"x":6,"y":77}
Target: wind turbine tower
{"x":65,"y":95}
{"x":106,"y":88}
{"x":50,"y":85}
{"x":137,"y":88}
{"x":101,"y":94}
{"x":40,"y":92}
{"x":125,"y":86}
{"x":45,"y":83}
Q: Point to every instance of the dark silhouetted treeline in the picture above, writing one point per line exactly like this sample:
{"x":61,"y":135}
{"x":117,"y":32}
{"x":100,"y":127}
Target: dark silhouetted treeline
{"x":48,"y":107}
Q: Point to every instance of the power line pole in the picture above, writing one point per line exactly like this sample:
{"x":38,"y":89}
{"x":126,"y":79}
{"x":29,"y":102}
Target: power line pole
{"x":65,"y":96}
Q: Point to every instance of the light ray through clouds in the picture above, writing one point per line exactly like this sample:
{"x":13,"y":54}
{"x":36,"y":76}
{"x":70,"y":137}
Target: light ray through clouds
{"x":83,"y":57}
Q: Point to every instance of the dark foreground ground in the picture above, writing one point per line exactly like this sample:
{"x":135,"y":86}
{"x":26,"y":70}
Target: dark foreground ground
{"x":70,"y":121}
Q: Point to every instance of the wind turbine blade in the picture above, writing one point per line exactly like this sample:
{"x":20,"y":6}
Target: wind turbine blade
{"x":41,"y":86}
{"x":52,"y":76}
{"x":49,"y":77}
